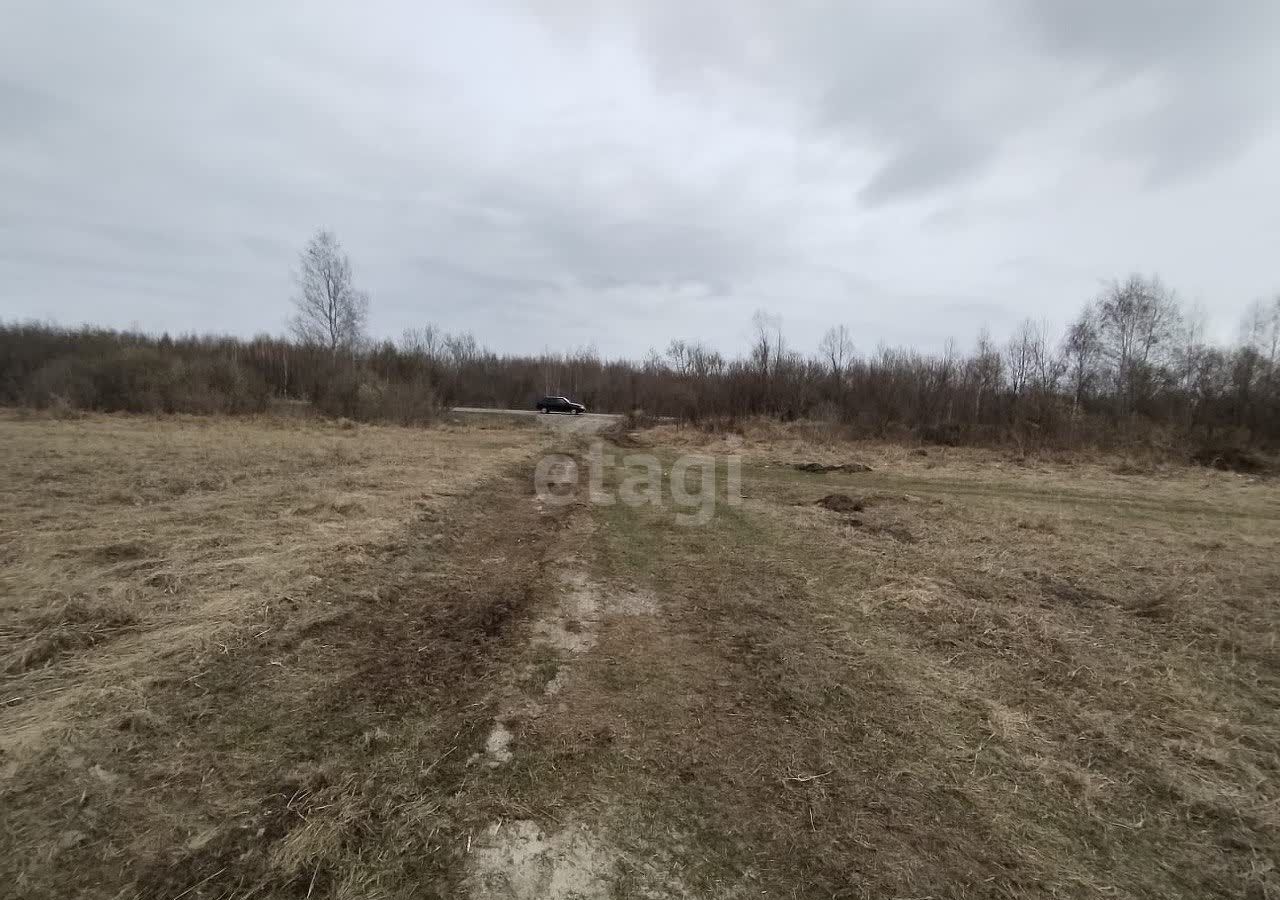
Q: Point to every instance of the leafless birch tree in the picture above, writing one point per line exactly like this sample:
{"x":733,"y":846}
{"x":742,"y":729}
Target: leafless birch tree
{"x":330,"y":311}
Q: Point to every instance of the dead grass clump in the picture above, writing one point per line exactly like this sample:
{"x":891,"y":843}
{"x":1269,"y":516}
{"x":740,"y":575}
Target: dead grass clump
{"x":1043,"y":525}
{"x":823,"y":468}
{"x":107,"y":612}
{"x":623,"y":434}
{"x":721,"y":425}
{"x":76,"y":623}
{"x":1129,"y":466}
{"x":62,"y":408}
{"x":139,"y":721}
{"x":165,"y":582}
{"x":346,"y":506}
{"x":841,"y":503}
{"x":638,"y":418}
{"x":43,"y":647}
{"x":121,"y":551}
{"x":1162,"y":605}
{"x":1233,"y":458}
{"x":1069,"y":591}
{"x":123,"y":497}
{"x":898,"y":532}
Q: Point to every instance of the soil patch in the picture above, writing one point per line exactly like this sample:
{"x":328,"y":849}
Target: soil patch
{"x":842,"y":503}
{"x":519,"y":861}
{"x":823,"y":468}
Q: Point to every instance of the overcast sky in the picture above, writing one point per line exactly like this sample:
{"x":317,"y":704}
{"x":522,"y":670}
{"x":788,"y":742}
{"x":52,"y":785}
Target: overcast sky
{"x":558,"y":173}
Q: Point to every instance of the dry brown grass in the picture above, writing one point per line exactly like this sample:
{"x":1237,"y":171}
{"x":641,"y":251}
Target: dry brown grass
{"x":272,"y":670}
{"x":1001,"y":678}
{"x":151,"y":535}
{"x":159,"y":575}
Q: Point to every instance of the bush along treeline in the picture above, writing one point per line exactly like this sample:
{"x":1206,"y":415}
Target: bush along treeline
{"x":1133,"y":368}
{"x":1129,"y":369}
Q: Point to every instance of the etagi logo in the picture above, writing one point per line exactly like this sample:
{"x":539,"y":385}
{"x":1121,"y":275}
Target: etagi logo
{"x":639,"y":479}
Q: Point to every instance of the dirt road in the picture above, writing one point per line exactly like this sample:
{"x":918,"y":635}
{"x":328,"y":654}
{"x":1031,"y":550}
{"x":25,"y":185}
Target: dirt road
{"x":587,"y":423}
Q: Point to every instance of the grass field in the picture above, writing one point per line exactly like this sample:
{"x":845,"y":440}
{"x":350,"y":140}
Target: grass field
{"x":264,"y":659}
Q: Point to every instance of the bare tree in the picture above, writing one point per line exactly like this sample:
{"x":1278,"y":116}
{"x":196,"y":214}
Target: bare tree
{"x":837,"y":349}
{"x":678,"y":353}
{"x":1137,"y":321}
{"x":986,"y":369}
{"x":330,"y":312}
{"x":944,"y":369}
{"x":1081,"y":351}
{"x":1261,"y":329}
{"x":705,"y":362}
{"x":426,"y":342}
{"x":1190,"y":346}
{"x":767,"y":347}
{"x":462,"y":347}
{"x":1270,"y":349}
{"x":551,"y":364}
{"x":693,"y":359}
{"x":653,"y":363}
{"x":1047,"y":363}
{"x":1019,"y":355}
{"x":1257,"y":361}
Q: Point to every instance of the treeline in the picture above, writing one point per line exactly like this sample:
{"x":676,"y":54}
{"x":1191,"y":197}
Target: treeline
{"x":1134,"y":366}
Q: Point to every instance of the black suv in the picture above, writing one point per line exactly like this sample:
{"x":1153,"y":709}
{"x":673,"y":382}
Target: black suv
{"x":560,"y":404}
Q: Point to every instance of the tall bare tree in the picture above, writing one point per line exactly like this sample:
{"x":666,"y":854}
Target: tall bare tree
{"x":462,"y":347}
{"x":1138,"y":320}
{"x":329,"y":311}
{"x":1081,"y":351}
{"x":1261,"y":329}
{"x":691,"y":359}
{"x":767,"y":345}
{"x":426,"y":342}
{"x":985,"y":371}
{"x":1020,"y":355}
{"x":1048,"y":364}
{"x":837,"y":349}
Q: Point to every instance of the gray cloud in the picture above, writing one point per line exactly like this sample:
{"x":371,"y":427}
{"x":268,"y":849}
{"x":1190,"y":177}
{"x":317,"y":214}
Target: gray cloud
{"x":1209,"y":70}
{"x":923,"y":167}
{"x":635,"y":170}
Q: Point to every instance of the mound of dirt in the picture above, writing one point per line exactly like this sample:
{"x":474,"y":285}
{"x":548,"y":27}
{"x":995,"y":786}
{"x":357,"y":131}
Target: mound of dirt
{"x":823,"y":468}
{"x":841,"y":503}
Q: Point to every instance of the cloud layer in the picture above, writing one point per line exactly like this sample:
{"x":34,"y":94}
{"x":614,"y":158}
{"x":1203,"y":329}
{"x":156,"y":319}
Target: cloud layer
{"x":618,"y":173}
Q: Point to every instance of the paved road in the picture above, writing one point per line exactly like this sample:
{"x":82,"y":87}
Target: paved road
{"x":587,"y":423}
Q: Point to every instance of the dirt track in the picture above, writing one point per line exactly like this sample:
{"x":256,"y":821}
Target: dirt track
{"x":588,"y":423}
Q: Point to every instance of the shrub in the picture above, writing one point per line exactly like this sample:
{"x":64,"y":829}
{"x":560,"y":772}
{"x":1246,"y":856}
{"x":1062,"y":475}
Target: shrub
{"x":1230,"y":455}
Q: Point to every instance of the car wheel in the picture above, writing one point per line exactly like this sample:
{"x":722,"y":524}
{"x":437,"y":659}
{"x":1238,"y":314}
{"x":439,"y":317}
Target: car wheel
{"x":576,"y":411}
